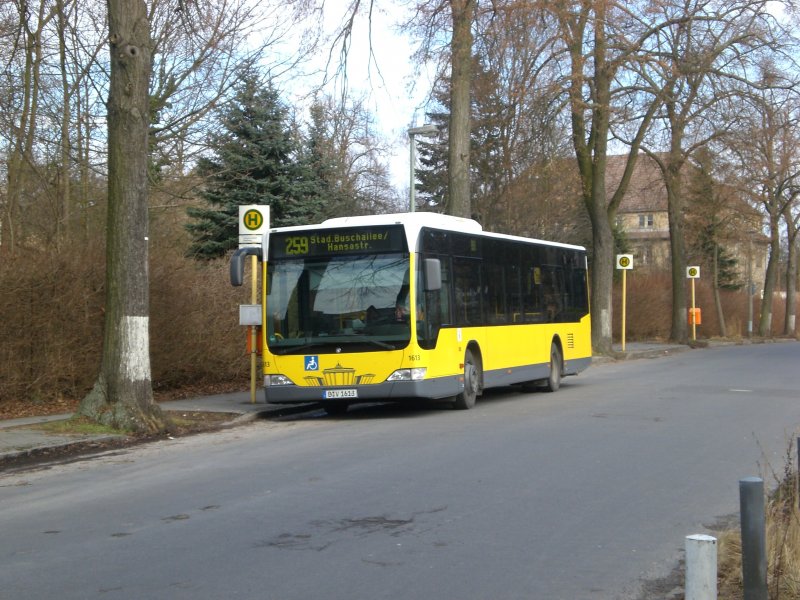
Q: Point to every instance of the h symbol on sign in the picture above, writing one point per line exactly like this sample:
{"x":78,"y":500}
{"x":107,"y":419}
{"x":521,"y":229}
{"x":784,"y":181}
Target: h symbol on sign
{"x":253,"y":220}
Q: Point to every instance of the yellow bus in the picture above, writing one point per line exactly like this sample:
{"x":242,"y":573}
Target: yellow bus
{"x":416,"y":305}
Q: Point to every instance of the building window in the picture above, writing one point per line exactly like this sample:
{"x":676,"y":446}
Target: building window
{"x":646,"y":221}
{"x":643,"y":255}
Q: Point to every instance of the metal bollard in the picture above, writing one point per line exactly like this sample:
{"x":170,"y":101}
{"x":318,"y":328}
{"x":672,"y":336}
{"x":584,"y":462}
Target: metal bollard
{"x":754,"y":545}
{"x":701,"y":567}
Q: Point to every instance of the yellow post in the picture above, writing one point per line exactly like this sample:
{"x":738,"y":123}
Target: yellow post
{"x":253,"y":328}
{"x":624,"y":308}
{"x":694,"y":316}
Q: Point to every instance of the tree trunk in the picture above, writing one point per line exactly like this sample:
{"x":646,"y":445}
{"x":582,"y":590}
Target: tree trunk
{"x":790,"y":321}
{"x":680,"y":329}
{"x":602,"y":275}
{"x":122,"y":395}
{"x":66,"y":112}
{"x":771,"y":278}
{"x":723,"y":329}
{"x":18,"y":161}
{"x":459,"y":200}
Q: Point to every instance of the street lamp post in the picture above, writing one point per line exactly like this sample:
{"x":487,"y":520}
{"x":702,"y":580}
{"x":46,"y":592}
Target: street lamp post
{"x":427,"y":130}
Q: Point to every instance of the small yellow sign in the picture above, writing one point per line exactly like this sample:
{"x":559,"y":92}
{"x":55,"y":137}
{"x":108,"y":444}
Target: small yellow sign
{"x":625,"y":261}
{"x":693,"y":272}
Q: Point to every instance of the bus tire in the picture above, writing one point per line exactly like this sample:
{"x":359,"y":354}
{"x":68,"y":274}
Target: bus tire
{"x":553,"y":381}
{"x":472,"y":378}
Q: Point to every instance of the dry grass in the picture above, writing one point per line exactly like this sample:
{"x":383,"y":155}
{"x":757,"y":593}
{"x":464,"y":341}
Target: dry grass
{"x":783,"y":546}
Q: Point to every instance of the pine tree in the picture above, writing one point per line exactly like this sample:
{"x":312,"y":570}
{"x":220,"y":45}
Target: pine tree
{"x":256,"y":160}
{"x":711,"y":223}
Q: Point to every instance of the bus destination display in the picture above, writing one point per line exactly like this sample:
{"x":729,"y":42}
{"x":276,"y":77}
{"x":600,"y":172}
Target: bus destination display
{"x":360,"y":240}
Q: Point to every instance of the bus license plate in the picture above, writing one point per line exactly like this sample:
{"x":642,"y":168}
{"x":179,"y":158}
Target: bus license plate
{"x":340,"y":394}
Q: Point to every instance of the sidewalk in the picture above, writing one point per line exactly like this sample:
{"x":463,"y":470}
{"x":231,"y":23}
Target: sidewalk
{"x":635,"y":350}
{"x":17,"y":438}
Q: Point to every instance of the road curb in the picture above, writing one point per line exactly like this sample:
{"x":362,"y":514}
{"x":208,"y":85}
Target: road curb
{"x":92,"y":443}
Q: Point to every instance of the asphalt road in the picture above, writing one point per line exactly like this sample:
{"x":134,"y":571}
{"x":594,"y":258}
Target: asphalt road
{"x":583,"y":494}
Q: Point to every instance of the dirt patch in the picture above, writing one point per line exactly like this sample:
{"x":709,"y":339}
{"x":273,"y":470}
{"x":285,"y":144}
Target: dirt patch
{"x":185,"y":423}
{"x":23,"y":408}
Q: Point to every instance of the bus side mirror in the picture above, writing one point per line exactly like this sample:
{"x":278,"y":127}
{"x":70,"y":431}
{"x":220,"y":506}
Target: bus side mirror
{"x":237,"y":264}
{"x":432,"y":269}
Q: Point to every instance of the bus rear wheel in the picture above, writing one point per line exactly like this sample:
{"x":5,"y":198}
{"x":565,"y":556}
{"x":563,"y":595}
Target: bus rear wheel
{"x":553,"y":381}
{"x":472,"y":380}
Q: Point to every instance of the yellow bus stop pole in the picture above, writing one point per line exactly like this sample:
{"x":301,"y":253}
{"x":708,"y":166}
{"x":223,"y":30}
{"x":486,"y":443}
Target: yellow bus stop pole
{"x":253,"y":328}
{"x":694,"y":315}
{"x":624,"y":308}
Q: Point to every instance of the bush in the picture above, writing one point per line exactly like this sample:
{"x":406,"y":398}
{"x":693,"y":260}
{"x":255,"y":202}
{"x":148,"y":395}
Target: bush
{"x":51,"y":320}
{"x":649,"y":309}
{"x":52,"y":323}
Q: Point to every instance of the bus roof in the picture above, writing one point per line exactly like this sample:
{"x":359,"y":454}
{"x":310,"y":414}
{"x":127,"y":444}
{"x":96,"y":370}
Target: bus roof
{"x":415,"y":221}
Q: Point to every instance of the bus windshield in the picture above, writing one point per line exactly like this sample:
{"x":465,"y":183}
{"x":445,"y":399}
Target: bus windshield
{"x":338,"y":303}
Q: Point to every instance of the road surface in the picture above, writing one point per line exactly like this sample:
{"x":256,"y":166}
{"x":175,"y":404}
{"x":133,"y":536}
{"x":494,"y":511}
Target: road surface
{"x":582,"y":494}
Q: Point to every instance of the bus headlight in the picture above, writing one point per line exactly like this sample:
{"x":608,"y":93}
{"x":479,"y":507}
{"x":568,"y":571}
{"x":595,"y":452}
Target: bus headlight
{"x":417,"y":374}
{"x":270,"y":380}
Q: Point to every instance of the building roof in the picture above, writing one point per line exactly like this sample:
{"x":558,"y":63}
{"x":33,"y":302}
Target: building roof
{"x":646,"y":192}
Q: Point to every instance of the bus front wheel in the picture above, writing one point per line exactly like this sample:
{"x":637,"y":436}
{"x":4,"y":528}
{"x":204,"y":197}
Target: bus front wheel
{"x":553,"y":381}
{"x":472,"y":378}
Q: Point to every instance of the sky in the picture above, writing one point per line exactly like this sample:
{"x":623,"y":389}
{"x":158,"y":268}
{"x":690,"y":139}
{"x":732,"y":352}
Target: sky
{"x":389,"y":81}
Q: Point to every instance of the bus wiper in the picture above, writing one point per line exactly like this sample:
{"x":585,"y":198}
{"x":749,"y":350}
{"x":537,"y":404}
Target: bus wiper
{"x":304,"y":347}
{"x":301,"y":348}
{"x":377,"y":343}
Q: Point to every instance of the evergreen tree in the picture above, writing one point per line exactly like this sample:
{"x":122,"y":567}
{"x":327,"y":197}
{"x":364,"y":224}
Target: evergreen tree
{"x":711,"y":223}
{"x":257,"y":159}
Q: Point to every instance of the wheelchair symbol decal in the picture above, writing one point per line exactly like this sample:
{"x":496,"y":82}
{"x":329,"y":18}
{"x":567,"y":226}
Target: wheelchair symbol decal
{"x":311,"y":363}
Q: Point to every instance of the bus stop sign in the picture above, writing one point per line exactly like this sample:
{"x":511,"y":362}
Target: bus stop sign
{"x":253,"y":222}
{"x":625,"y":262}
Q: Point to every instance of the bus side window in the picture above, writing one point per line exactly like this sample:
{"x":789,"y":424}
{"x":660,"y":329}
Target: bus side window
{"x":497,"y":297}
{"x":553,"y":293}
{"x":433,"y":309}
{"x":445,"y":304}
{"x":467,"y":291}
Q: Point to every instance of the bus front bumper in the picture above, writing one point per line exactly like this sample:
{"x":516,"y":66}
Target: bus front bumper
{"x":442,"y":387}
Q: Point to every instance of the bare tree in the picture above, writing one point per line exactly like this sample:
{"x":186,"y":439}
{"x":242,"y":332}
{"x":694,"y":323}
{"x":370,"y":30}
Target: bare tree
{"x":346,"y":152}
{"x":63,"y":183}
{"x":769,"y":166}
{"x":431,"y":18}
{"x":199,"y":52}
{"x":123,"y":394}
{"x":601,"y":39}
{"x":460,"y":201}
{"x":701,"y":59}
{"x":791,"y":216}
{"x":33,"y":19}
{"x":520,"y":138}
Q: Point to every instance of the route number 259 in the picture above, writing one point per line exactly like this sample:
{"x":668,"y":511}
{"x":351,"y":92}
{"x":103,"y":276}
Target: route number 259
{"x":297,"y":245}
